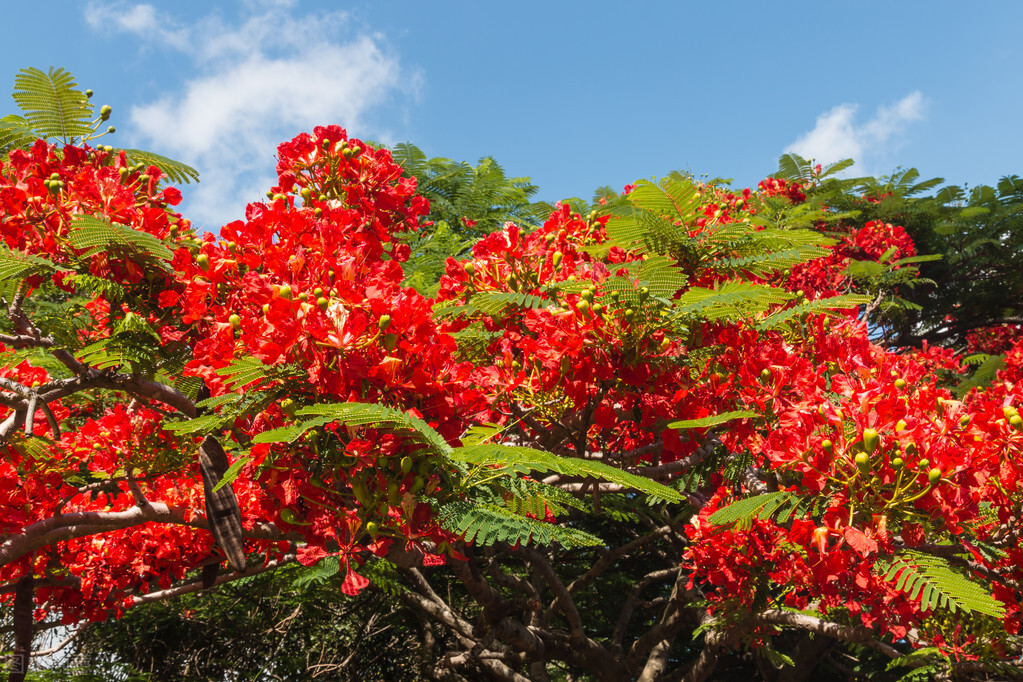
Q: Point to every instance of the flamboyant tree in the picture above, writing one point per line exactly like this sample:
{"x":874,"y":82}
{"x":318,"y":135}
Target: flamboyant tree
{"x":639,"y":442}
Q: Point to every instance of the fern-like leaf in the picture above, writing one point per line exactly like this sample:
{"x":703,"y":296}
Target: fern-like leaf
{"x":324,"y":569}
{"x":742,"y":512}
{"x":765,"y":262}
{"x":15,"y":133}
{"x":95,"y":234}
{"x":524,"y":460}
{"x":938,"y":585}
{"x":174,"y":170}
{"x":731,"y":300}
{"x":528,"y":496}
{"x":360,"y":414}
{"x":820,"y":305}
{"x":493,"y":303}
{"x":794,"y":167}
{"x":712,"y":420}
{"x":52,"y":104}
{"x":485,"y":524}
{"x":251,"y":372}
{"x":15,"y":265}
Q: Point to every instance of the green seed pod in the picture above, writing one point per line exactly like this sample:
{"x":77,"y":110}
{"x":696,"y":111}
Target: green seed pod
{"x":236,"y":321}
{"x":870,"y":440}
{"x":384,"y":322}
{"x":105,"y":111}
{"x":897,"y":463}
{"x":406,"y":465}
{"x":556,"y":259}
{"x":289,"y":407}
{"x":862,"y":460}
{"x":390,"y":342}
{"x":203,"y":261}
{"x":360,"y":492}
{"x":900,"y":384}
{"x":934,"y":477}
{"x":373,"y":528}
{"x":827,"y":445}
{"x":290,"y":517}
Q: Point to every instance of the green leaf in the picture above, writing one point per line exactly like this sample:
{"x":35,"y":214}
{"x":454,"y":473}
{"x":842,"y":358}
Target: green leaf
{"x":865,"y":268}
{"x":984,"y":375}
{"x":16,"y":133}
{"x":17,"y":266}
{"x":232,"y":472}
{"x":794,"y":167}
{"x":380,"y":416}
{"x":481,"y":433}
{"x":919,"y":259}
{"x":938,"y":585}
{"x":203,"y":424}
{"x":325,"y":568}
{"x":731,"y":300}
{"x":52,"y":104}
{"x":90,"y":232}
{"x":820,"y":305}
{"x":712,"y":420}
{"x":251,"y":372}
{"x":289,"y":434}
{"x":743,"y":511}
{"x":521,"y":458}
{"x":485,"y":524}
{"x":494,"y":303}
{"x":174,"y":170}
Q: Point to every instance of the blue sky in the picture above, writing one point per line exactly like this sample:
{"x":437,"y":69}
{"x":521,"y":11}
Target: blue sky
{"x":574,"y":94}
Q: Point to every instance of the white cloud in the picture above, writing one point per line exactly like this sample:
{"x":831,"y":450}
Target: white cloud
{"x":837,"y":134}
{"x":259,"y":82}
{"x":139,"y":19}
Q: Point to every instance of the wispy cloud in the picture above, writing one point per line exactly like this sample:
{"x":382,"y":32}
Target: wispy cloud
{"x":258,"y":81}
{"x":838,"y":135}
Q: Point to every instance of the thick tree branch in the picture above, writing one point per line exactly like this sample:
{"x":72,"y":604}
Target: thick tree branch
{"x":64,"y":527}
